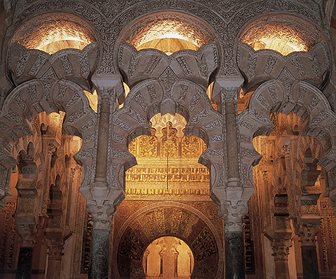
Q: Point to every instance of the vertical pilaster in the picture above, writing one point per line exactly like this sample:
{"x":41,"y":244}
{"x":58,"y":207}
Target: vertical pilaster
{"x":308,"y":232}
{"x":55,"y":249}
{"x":309,"y":222}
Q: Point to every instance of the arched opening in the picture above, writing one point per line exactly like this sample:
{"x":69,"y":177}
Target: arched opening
{"x":284,"y":34}
{"x":168,"y":32}
{"x":53,"y":32}
{"x":168,"y":257}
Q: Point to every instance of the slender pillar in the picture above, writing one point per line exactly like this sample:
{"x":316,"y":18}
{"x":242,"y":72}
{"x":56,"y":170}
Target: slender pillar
{"x":25,"y":216}
{"x":25,"y":262}
{"x":308,"y":232}
{"x":280,"y":253}
{"x":100,"y":253}
{"x":234,"y":201}
{"x":234,"y":240}
{"x":234,"y":254}
{"x":101,"y":197}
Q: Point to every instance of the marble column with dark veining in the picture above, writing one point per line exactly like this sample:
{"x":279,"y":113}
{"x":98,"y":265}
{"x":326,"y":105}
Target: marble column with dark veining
{"x":234,"y":255}
{"x":25,"y":262}
{"x":309,"y":262}
{"x":100,"y":254}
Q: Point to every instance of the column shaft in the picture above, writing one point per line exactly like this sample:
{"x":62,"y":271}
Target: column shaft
{"x":309,"y":262}
{"x":102,"y":147}
{"x":281,"y":269}
{"x":234,"y":255}
{"x":231,"y":139}
{"x":100,"y":254}
{"x":54,"y":269}
{"x":25,"y":262}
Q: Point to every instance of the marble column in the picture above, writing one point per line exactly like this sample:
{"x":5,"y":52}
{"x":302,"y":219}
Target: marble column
{"x":102,"y":219}
{"x":102,"y":197}
{"x":308,"y":232}
{"x":100,"y":253}
{"x":25,"y":262}
{"x":234,"y":239}
{"x":234,"y":255}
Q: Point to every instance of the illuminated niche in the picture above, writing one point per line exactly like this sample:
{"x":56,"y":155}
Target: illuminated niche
{"x":51,"y":33}
{"x":167,"y":162}
{"x":168,"y":257}
{"x":169,"y":32}
{"x":284,"y":34}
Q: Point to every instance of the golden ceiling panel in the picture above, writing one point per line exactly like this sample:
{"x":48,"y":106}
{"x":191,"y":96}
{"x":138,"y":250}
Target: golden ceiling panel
{"x":281,"y":38}
{"x":167,"y":162}
{"x":169,"y":32}
{"x":51,"y":33}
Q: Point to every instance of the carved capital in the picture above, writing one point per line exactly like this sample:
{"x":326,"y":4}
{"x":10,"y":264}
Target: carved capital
{"x":101,"y":215}
{"x":233,"y":214}
{"x":108,"y":85}
{"x":27,"y":232}
{"x":55,"y":244}
{"x":308,"y":231}
{"x":228,"y":88}
{"x":280,"y":248}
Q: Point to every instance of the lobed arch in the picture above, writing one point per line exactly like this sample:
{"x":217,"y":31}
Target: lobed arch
{"x":306,"y":101}
{"x":61,"y":29}
{"x":147,"y":99}
{"x":31,"y":98}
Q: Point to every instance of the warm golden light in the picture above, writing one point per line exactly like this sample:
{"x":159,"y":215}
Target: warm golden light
{"x":168,"y":257}
{"x":92,"y":99}
{"x":281,"y":38}
{"x":51,"y":33}
{"x":169,"y":36}
{"x":167,"y":162}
